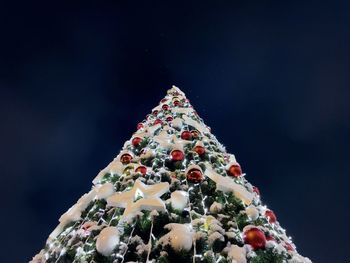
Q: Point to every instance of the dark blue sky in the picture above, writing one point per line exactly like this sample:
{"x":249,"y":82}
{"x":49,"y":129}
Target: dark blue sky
{"x":271,"y":79}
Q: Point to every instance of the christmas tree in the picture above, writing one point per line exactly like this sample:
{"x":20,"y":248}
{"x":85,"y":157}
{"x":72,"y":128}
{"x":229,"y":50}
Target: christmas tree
{"x":172,"y":194}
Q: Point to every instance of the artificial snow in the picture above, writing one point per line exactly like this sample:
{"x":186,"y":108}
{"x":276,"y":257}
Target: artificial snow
{"x":215,"y":208}
{"x":104,"y":191}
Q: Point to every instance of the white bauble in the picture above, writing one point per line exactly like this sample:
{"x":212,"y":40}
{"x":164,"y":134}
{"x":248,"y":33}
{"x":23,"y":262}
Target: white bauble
{"x":179,"y":237}
{"x":252,"y":212}
{"x":179,"y":199}
{"x":237,"y":254}
{"x":107,"y":240}
{"x":105,"y":190}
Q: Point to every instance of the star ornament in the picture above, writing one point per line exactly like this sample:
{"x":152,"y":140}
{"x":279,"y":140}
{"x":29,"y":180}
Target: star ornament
{"x":140,"y":197}
{"x":226,"y":184}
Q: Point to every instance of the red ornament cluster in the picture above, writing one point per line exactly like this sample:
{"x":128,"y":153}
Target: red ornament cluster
{"x":255,"y":237}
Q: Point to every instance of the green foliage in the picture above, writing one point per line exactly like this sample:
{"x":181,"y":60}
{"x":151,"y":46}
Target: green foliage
{"x":159,"y":222}
{"x":267,"y":256}
{"x":242,"y":220}
{"x":162,"y":259}
{"x":143,"y":226}
{"x":179,"y":256}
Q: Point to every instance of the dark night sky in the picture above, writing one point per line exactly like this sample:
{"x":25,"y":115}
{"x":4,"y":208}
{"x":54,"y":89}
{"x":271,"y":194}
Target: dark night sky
{"x":271,"y":79}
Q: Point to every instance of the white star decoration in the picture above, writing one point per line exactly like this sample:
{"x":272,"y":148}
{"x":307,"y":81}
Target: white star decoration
{"x":150,"y":199}
{"x":226,"y":184}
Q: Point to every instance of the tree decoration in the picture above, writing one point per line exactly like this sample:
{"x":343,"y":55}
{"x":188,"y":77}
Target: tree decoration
{"x":288,"y":246}
{"x":139,"y":126}
{"x":176,"y":196}
{"x":255,"y":237}
{"x":235,"y":170}
{"x":256,"y":190}
{"x":194,"y":175}
{"x":186,"y":135}
{"x":140,"y":197}
{"x":141,"y":169}
{"x":126,"y":158}
{"x":179,"y":237}
{"x":157,"y":121}
{"x":271,"y":216}
{"x":176,"y":103}
{"x":179,"y":199}
{"x":169,"y":118}
{"x":177,"y":155}
{"x":107,"y":240}
{"x":200,"y":150}
{"x":136,"y":141}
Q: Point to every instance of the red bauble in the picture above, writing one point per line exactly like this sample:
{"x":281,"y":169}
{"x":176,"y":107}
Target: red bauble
{"x":139,"y":125}
{"x":186,"y":135}
{"x":235,"y":170}
{"x":256,"y":190}
{"x":169,"y":118}
{"x":126,"y":158}
{"x":199,"y":149}
{"x":176,"y":103}
{"x":136,"y":141}
{"x":271,"y":216}
{"x":165,"y":107}
{"x":141,"y":169}
{"x":255,"y":237}
{"x":177,"y":155}
{"x":289,"y":246}
{"x":157,"y":121}
{"x":163,"y":100}
{"x":194,"y":175}
{"x":155,"y":112}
